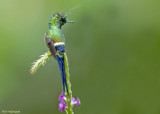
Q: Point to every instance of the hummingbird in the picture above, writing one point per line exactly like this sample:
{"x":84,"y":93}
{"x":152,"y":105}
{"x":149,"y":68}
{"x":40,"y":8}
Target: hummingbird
{"x":55,"y":41}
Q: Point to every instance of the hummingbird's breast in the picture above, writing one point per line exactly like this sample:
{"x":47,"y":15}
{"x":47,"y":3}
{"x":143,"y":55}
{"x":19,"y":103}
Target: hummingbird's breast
{"x":56,"y":35}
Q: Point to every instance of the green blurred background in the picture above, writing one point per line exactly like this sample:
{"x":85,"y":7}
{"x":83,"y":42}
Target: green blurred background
{"x":113,"y":50}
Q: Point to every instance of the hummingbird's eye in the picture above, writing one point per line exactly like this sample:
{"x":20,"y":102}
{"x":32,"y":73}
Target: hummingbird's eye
{"x":64,"y":20}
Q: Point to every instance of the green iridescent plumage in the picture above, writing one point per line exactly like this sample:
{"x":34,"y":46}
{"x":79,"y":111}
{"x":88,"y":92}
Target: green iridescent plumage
{"x":55,"y":23}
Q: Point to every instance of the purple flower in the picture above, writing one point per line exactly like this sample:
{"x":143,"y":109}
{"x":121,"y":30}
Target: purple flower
{"x":61,"y":97}
{"x":75,"y":101}
{"x":78,"y":102}
{"x":62,"y":106}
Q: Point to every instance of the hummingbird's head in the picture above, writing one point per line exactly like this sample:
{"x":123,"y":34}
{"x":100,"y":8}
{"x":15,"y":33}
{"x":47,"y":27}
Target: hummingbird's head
{"x":58,"y":20}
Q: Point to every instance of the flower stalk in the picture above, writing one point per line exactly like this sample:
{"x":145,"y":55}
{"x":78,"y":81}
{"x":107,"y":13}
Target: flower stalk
{"x":69,"y":109}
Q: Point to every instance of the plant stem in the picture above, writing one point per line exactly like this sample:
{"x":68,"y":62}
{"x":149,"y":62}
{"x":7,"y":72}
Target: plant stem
{"x":69,"y":109}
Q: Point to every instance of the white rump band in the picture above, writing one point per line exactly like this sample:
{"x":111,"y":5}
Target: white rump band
{"x":59,"y":43}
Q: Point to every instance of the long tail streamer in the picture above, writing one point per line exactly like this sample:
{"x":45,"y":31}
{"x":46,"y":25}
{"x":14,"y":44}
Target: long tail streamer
{"x":62,"y":71}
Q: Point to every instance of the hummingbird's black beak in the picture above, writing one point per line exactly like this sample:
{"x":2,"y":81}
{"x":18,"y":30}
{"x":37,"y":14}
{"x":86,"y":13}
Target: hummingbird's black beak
{"x":70,"y":21}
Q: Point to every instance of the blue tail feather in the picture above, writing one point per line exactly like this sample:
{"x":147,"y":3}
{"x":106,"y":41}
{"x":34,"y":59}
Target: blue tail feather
{"x":62,"y":71}
{"x":64,"y":76}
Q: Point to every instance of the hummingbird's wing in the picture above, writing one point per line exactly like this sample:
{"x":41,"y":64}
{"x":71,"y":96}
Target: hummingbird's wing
{"x":51,"y":46}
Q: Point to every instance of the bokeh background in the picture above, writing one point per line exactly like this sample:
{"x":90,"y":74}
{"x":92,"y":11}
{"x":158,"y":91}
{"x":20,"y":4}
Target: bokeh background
{"x":113,"y":50}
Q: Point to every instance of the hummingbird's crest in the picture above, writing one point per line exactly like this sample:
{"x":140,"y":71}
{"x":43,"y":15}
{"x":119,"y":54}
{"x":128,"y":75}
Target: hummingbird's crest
{"x":58,"y":20}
